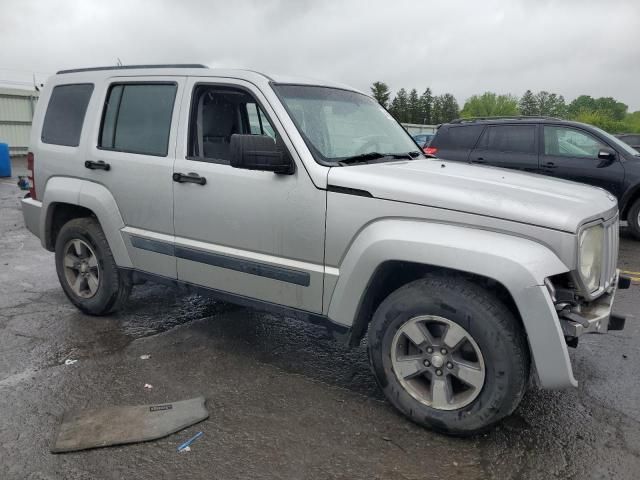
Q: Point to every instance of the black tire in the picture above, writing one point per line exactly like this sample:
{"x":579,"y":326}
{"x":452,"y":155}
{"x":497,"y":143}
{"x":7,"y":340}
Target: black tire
{"x":113,"y":287}
{"x":633,"y":220}
{"x":497,"y":333}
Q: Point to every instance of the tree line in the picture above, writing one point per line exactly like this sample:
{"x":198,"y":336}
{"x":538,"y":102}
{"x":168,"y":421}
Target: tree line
{"x":426,"y":109}
{"x":604,"y":112}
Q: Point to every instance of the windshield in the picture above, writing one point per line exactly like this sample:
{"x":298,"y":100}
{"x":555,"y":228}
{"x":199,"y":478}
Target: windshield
{"x":618,"y":143}
{"x":339,"y":124}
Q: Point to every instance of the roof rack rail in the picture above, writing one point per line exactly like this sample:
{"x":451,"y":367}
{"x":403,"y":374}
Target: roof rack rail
{"x":130,"y":67}
{"x":505,"y":117}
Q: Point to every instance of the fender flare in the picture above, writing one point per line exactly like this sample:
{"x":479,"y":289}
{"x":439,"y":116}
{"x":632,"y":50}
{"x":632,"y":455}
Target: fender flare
{"x":519,"y":264}
{"x":94,"y":197}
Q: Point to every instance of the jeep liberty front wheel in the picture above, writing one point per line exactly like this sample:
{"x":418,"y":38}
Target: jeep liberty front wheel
{"x":449,"y":355}
{"x":86,"y":269}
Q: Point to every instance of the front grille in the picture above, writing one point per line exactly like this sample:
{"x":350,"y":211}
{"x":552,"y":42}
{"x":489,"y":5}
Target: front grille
{"x":610,"y":252}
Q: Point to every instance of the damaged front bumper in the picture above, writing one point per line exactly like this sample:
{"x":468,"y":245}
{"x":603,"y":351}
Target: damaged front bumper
{"x":592,"y":317}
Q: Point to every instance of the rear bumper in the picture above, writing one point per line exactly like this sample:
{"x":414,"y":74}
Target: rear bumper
{"x":31,"y":210}
{"x":595,"y":317}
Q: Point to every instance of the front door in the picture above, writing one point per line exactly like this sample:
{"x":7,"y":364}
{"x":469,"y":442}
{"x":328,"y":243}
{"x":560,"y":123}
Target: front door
{"x":132,"y":155}
{"x":251,"y":234}
{"x":572,"y":154}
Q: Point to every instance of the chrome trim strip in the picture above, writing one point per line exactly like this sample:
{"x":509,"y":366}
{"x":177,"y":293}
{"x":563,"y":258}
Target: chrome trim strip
{"x":245,"y":266}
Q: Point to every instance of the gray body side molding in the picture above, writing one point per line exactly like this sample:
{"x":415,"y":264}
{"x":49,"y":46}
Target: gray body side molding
{"x":96,"y":198}
{"x":519,"y":264}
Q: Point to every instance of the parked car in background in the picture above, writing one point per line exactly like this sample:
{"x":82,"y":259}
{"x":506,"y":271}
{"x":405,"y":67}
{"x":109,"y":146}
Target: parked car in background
{"x":549,"y":146}
{"x":423,"y":139}
{"x":632,"y":139}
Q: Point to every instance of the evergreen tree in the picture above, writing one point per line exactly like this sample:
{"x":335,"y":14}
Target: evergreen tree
{"x":557,"y":106}
{"x":381,"y":93}
{"x":550,"y":104}
{"x":426,"y":107}
{"x":542,"y":102}
{"x":402,"y":104}
{"x":436,"y":114}
{"x":450,"y":109}
{"x":528,"y":105}
{"x":413,"y":107}
{"x":394,"y":108}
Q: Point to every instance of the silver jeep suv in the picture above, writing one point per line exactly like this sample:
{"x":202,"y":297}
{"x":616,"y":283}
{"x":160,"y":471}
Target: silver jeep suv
{"x":309,"y":199}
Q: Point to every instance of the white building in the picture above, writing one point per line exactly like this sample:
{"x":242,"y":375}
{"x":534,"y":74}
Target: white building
{"x":16,"y":112}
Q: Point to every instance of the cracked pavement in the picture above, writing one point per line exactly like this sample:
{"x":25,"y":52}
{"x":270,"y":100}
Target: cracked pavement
{"x":285,"y":401}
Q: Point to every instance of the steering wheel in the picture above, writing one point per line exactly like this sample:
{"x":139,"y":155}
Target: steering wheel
{"x":370,"y":145}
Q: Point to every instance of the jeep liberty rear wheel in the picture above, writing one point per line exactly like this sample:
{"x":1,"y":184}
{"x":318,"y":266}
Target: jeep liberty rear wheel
{"x":86,"y":269}
{"x":449,"y":355}
{"x":633,"y":219}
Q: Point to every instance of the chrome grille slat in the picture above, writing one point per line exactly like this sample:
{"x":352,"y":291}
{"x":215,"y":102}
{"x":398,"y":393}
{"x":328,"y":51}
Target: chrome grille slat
{"x":610,"y":254}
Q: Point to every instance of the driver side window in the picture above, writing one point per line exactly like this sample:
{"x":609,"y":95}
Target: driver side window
{"x":569,"y":142}
{"x":217,"y":113}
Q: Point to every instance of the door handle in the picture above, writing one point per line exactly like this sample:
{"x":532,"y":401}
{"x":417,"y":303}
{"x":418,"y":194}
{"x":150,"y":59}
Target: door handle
{"x":478,"y":160}
{"x":549,"y":165}
{"x":99,"y":165}
{"x":189,"y":178}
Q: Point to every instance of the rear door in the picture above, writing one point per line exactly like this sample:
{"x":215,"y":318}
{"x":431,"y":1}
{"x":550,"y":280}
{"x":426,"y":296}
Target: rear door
{"x":572,"y":153}
{"x":132,"y":154}
{"x":508,"y":146}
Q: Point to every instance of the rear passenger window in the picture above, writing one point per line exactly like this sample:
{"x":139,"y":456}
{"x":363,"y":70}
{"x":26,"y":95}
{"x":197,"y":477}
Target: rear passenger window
{"x":462,"y":137}
{"x":510,"y":138}
{"x":65,"y":114}
{"x":137,"y":118}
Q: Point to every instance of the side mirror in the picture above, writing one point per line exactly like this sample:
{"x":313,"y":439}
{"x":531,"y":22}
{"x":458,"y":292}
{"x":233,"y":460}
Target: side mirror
{"x":607,"y":154}
{"x":259,"y":152}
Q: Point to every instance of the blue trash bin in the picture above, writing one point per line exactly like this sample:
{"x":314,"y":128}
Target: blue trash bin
{"x":5,"y":161}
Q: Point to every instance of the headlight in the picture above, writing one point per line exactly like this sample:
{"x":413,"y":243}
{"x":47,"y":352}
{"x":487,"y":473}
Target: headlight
{"x":590,"y":259}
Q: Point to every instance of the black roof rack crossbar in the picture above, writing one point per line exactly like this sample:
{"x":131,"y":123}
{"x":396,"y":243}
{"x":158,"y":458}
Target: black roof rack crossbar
{"x":506,"y":117}
{"x":130,"y":67}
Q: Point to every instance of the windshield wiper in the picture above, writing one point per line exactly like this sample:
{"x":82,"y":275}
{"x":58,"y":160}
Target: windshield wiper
{"x":366,"y":157}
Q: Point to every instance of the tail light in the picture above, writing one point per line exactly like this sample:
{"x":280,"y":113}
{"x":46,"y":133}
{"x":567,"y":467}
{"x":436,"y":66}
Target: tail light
{"x":431,"y":151}
{"x":30,"y":175}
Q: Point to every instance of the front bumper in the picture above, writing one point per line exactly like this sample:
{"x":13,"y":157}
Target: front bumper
{"x":31,"y":213}
{"x":595,"y":316}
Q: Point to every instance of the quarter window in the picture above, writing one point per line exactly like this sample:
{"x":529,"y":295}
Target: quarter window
{"x":510,"y":138}
{"x":569,"y":142}
{"x":65,"y":114}
{"x":137,"y":118}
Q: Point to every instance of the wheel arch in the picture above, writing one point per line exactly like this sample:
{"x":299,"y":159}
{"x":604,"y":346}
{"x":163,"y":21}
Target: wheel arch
{"x":393,"y":274}
{"x":68,"y":198}
{"x":513,"y":267}
{"x":628,"y":200}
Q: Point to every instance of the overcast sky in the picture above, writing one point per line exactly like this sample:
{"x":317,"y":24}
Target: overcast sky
{"x":571,"y":47}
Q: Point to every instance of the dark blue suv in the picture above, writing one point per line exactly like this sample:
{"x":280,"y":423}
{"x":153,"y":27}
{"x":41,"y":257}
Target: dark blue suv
{"x":549,"y":146}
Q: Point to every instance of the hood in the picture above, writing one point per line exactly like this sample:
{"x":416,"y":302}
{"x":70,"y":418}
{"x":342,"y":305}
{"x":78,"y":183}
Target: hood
{"x":495,"y":192}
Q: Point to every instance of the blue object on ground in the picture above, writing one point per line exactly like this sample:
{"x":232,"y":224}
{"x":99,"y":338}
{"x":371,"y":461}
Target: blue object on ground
{"x":190,"y":441}
{"x":5,"y":161}
{"x":23,"y":183}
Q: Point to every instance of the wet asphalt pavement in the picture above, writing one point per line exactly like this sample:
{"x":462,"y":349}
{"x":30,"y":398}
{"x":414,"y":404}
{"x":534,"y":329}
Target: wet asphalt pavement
{"x":285,"y":401}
